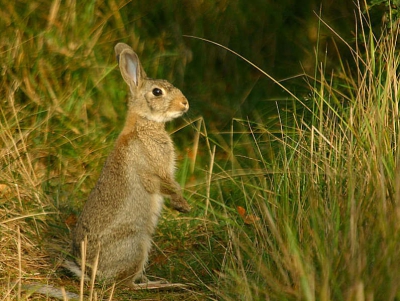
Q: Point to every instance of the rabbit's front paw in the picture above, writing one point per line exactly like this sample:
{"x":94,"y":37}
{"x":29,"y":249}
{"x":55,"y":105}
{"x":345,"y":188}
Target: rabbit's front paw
{"x":179,"y":203}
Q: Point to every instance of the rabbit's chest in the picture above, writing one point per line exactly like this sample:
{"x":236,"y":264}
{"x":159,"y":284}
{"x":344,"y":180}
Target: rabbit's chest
{"x":159,"y":150}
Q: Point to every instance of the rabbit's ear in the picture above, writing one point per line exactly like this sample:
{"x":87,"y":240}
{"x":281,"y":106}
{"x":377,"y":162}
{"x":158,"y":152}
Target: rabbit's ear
{"x":130,"y":66}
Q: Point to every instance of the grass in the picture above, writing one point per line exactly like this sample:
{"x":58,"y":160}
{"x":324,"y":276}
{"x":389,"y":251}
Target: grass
{"x":301,"y":203}
{"x":328,"y":203}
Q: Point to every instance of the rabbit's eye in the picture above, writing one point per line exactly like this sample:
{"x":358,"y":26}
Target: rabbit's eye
{"x":157,"y":92}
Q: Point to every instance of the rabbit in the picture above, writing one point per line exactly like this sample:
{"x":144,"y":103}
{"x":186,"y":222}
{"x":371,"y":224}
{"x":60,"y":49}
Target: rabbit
{"x":122,"y":211}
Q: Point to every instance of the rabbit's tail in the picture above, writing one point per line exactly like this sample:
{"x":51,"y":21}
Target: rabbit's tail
{"x":75,"y":269}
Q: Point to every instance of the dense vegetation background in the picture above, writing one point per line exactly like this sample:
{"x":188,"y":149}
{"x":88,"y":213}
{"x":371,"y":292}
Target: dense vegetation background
{"x":291,"y":167}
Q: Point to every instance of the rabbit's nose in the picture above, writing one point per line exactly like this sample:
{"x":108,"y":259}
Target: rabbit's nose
{"x":185,"y":103}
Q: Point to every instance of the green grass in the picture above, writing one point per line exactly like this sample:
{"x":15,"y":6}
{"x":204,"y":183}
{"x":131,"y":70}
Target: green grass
{"x":299,"y":202}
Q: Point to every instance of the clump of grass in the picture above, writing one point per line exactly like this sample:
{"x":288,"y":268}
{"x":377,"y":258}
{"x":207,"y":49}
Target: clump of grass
{"x":322,"y":196}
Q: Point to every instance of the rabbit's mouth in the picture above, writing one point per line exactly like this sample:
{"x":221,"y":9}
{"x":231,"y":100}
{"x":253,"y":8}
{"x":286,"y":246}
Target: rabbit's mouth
{"x":165,"y":117}
{"x":172,"y":115}
{"x":177,"y":114}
